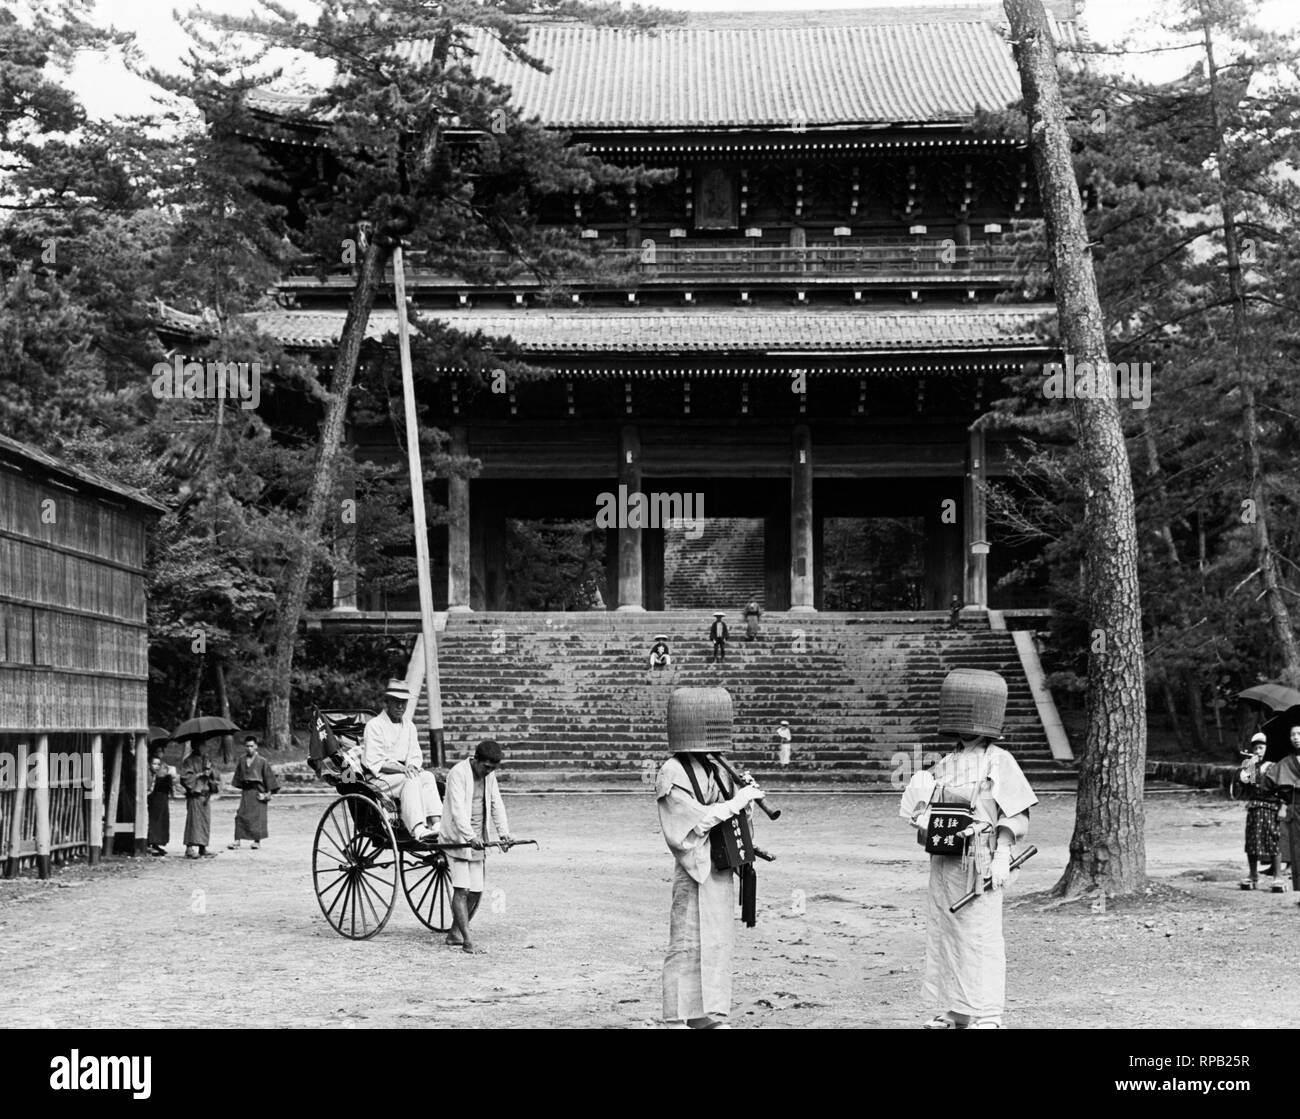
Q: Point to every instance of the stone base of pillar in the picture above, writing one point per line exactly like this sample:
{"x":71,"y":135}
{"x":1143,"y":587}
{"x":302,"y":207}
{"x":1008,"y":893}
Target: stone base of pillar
{"x":630,"y":609}
{"x":803,"y":610}
{"x":460,"y":609}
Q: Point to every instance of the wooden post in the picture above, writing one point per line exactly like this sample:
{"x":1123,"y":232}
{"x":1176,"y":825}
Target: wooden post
{"x":16,"y":823}
{"x":114,"y":791}
{"x":436,"y":744}
{"x":977,"y":570}
{"x":42,"y":805}
{"x":141,"y":792}
{"x":95,"y":809}
{"x":629,"y":539}
{"x":458,"y":531}
{"x":801,"y":522}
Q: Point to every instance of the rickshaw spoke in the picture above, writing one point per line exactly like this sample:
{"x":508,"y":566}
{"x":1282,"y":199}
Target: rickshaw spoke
{"x":368,"y":897}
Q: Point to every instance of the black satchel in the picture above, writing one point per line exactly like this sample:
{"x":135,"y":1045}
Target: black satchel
{"x":731,"y":842}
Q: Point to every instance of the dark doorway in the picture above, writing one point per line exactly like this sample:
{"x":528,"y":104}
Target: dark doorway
{"x":553,"y":564}
{"x":873,"y":563}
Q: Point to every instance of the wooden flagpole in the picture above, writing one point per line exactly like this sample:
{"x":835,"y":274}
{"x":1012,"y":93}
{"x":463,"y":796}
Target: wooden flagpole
{"x":433,"y":691}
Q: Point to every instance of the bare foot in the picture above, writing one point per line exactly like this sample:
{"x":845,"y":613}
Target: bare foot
{"x":473,"y":951}
{"x":453,"y":941}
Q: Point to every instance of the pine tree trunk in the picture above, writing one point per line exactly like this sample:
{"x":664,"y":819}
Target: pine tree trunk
{"x":1107,"y":850}
{"x":297,"y":571}
{"x":1279,"y":615}
{"x":223,"y":701}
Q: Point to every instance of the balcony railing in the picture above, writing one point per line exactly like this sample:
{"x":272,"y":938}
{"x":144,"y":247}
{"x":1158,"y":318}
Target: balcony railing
{"x":673,"y":263}
{"x":832,"y":260}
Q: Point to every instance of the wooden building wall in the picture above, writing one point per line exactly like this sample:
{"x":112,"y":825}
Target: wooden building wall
{"x":74,"y":652}
{"x":74,"y":644}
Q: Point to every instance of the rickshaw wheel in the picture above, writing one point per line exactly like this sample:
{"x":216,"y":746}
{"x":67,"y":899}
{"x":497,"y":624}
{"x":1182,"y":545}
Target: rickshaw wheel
{"x":355,"y":867}
{"x":426,"y":880}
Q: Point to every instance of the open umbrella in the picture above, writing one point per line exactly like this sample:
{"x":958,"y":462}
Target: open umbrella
{"x":1271,"y":697}
{"x":205,"y":726}
{"x":159,"y":734}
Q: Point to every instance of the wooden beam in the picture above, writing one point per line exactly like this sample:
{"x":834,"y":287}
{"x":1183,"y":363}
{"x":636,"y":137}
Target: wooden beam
{"x":95,"y":806}
{"x":16,"y":823}
{"x":114,"y":791}
{"x":41,"y":804}
{"x":141,"y":792}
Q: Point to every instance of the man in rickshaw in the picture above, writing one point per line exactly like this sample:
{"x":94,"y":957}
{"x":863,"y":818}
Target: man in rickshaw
{"x":475,"y":815}
{"x":390,"y":750}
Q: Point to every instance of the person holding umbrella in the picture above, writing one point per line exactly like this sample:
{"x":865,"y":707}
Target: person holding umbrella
{"x":200,"y":781}
{"x":1285,"y":778}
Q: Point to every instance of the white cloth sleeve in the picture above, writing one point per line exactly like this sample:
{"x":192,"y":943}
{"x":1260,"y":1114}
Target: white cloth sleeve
{"x":916,"y":797}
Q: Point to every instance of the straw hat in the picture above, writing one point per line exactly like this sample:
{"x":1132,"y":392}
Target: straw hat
{"x":661,"y":637}
{"x":699,"y":721}
{"x":398,"y":690}
{"x":719,"y":614}
{"x":972,"y":701}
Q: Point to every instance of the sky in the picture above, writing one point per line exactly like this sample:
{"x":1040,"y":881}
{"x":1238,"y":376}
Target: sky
{"x":107,"y":88}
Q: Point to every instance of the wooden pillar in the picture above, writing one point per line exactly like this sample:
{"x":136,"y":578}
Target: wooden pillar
{"x":801,"y":521}
{"x":458,"y":530}
{"x":977,"y":580}
{"x":16,"y":822}
{"x":141,"y":792}
{"x":629,"y":539}
{"x":41,"y":804}
{"x":114,"y":791}
{"x":95,"y":809}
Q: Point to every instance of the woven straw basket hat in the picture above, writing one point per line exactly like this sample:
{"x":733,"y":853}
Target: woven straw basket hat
{"x":972,"y":701}
{"x":699,"y":721}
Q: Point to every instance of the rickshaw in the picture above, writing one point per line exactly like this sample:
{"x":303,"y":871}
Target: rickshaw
{"x":362,"y":852}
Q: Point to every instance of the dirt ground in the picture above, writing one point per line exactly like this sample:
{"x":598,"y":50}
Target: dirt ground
{"x":576,"y":931}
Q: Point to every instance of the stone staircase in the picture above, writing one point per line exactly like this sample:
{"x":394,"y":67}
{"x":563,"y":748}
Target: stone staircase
{"x":721,"y":570}
{"x":571,"y":696}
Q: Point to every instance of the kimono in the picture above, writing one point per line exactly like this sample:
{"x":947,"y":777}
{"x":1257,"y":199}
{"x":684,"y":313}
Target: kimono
{"x":1262,"y":825}
{"x":718,"y":634}
{"x":697,"y":968}
{"x":199,"y":781}
{"x":753,"y":612}
{"x":257,"y":780}
{"x":965,"y":955}
{"x":1285,"y":778}
{"x":160,"y":818}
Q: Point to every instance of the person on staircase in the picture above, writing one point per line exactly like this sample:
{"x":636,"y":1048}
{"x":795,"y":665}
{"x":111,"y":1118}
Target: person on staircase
{"x":659,"y":655}
{"x":718,"y":634}
{"x":753,"y":614}
{"x":390,"y":750}
{"x":965,"y":955}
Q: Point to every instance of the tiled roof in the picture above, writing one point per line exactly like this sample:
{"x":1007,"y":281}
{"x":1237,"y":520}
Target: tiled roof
{"x":810,"y":69}
{"x":755,"y":330}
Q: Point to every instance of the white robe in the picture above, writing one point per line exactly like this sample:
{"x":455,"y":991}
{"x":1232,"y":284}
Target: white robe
{"x":965,"y":954}
{"x":702,"y":930}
